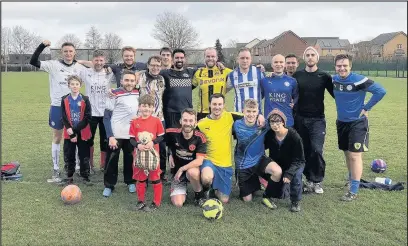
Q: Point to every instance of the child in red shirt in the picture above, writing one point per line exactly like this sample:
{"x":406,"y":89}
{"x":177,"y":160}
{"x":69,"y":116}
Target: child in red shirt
{"x":146,"y":123}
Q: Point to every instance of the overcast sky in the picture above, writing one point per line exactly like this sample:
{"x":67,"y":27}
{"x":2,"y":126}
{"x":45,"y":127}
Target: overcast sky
{"x":226,"y":21}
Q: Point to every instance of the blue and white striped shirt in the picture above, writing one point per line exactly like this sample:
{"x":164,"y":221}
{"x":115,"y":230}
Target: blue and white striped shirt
{"x":246,"y":85}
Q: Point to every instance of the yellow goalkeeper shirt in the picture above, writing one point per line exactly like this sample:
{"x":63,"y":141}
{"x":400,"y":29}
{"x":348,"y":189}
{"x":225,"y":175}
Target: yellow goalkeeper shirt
{"x":219,"y":137}
{"x":209,"y":81}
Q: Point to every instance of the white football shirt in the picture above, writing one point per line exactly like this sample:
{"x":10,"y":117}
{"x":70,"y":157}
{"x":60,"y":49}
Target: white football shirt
{"x":97,"y":85}
{"x":58,"y":74}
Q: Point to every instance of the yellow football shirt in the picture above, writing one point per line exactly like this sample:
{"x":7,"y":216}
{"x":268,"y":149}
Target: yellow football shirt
{"x":219,"y":138}
{"x":209,"y":81}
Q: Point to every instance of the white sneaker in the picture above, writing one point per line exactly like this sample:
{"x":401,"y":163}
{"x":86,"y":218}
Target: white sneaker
{"x":55,"y":177}
{"x":318,"y":188}
{"x":308,"y":186}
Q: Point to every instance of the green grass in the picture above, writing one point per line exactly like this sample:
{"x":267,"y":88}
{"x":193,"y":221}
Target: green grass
{"x":33,"y":214}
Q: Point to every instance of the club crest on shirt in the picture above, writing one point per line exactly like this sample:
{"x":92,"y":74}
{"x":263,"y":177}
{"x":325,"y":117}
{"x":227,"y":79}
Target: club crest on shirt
{"x":185,"y":75}
{"x":79,"y":103}
{"x":349,"y":87}
{"x":192,"y":147}
{"x":286,"y":83}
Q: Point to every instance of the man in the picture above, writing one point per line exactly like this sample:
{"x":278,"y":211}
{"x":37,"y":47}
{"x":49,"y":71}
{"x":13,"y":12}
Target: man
{"x":97,"y":83}
{"x":280,"y":90}
{"x":310,"y":120}
{"x":352,"y":117}
{"x":119,"y":112}
{"x":249,"y":158}
{"x":188,"y":148}
{"x":129,"y":63}
{"x":152,"y":83}
{"x":245,"y":80}
{"x":286,"y":150}
{"x":292,"y":64}
{"x":178,"y":89}
{"x":209,"y":80}
{"x":216,"y":170}
{"x":59,"y":71}
{"x":165,"y":53}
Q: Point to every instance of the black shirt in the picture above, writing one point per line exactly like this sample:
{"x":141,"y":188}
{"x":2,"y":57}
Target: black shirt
{"x":289,"y":155}
{"x":311,"y":87}
{"x":185,"y":150}
{"x":178,"y":94}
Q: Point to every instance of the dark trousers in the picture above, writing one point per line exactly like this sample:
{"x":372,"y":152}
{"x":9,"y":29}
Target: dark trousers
{"x":70,"y":154}
{"x":313,"y":133}
{"x":103,"y":141}
{"x":110,"y":177}
{"x":281,"y":190}
{"x":163,"y":153}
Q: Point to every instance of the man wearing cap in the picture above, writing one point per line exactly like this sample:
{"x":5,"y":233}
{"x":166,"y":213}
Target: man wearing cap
{"x":285,"y":150}
{"x":310,"y":120}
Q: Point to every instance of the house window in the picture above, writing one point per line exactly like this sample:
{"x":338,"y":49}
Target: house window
{"x":399,"y":46}
{"x":330,"y":50}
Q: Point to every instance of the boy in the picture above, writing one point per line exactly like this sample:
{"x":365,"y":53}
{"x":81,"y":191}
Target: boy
{"x":76,"y":114}
{"x":286,"y":150}
{"x":250,"y":161}
{"x":150,"y":124}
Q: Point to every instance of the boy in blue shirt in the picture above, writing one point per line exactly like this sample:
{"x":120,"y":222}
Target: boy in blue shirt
{"x":352,"y":117}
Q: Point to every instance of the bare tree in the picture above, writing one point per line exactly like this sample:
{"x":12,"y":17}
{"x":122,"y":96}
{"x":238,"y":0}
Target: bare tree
{"x":175,"y":31}
{"x":5,"y":45}
{"x":20,"y":40}
{"x":93,"y":38}
{"x":231,"y":52}
{"x":72,"y":38}
{"x":112,"y":42}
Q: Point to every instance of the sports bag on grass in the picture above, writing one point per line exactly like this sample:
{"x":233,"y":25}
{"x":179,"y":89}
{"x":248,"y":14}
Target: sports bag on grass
{"x":11,"y":171}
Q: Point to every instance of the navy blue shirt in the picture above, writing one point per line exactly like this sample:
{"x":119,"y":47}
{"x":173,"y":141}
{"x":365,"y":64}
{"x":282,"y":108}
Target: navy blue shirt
{"x":117,"y":69}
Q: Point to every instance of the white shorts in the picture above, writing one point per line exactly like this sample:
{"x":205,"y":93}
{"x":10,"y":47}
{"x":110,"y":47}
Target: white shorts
{"x":178,"y":188}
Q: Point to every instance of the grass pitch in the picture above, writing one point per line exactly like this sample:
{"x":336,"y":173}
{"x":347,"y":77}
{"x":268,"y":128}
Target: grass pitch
{"x":33,"y":213}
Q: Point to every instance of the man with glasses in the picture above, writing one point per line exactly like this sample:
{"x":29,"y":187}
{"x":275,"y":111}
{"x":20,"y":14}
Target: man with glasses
{"x":152,"y":83}
{"x":310,"y":120}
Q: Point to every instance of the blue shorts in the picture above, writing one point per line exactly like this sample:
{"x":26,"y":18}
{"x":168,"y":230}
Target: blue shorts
{"x":222,"y":177}
{"x":55,"y":118}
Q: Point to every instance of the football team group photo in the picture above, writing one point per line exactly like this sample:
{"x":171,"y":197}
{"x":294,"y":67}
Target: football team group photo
{"x":280,"y":129}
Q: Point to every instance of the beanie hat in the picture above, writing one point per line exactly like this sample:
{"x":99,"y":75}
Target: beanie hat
{"x":277,"y":112}
{"x":313,"y":49}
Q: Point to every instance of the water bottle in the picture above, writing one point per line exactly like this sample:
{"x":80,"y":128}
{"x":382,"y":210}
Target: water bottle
{"x":386,"y":181}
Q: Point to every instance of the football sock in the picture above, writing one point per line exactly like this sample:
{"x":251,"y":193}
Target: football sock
{"x":355,"y":184}
{"x":55,"y":153}
{"x":141,"y":190}
{"x":157,"y":193}
{"x":198,"y":195}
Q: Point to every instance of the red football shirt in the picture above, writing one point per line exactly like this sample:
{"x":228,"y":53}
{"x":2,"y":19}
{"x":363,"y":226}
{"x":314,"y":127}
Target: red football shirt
{"x":151,"y":125}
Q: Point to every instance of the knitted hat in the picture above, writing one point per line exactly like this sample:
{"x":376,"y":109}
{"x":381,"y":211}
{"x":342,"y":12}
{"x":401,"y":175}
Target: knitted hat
{"x":277,"y":112}
{"x":313,"y":49}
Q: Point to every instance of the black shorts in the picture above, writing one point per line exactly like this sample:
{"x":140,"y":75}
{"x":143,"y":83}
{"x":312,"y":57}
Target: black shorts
{"x":172,"y":120}
{"x":353,"y":136}
{"x":201,"y":116}
{"x":248,"y":179}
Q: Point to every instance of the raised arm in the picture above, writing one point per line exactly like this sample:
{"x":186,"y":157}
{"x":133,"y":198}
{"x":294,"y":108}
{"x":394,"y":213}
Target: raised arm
{"x":35,"y":57}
